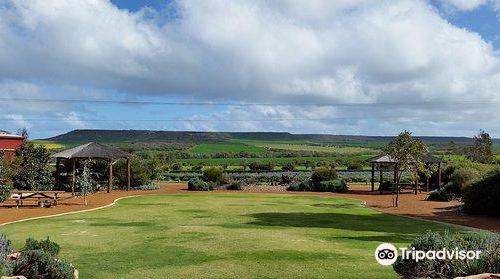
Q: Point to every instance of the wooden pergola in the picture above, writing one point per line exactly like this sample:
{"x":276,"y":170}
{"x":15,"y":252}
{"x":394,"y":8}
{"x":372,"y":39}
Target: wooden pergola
{"x":385,"y":160}
{"x":92,"y":150}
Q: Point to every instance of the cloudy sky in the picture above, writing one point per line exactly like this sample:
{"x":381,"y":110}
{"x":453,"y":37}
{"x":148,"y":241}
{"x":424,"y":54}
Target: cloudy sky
{"x":340,"y":67}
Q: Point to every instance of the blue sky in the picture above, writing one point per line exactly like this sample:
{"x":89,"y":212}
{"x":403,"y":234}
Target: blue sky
{"x":341,"y":67}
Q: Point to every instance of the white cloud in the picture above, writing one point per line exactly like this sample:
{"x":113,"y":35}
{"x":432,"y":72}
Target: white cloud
{"x":465,"y":5}
{"x":263,"y":51}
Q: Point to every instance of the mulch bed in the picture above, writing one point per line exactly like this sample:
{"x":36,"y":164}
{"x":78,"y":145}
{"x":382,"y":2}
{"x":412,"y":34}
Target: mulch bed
{"x":410,"y":205}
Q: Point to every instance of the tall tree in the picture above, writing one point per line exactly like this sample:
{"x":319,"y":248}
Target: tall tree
{"x":4,"y":187}
{"x":481,"y":149}
{"x":34,"y":170}
{"x":407,"y":152}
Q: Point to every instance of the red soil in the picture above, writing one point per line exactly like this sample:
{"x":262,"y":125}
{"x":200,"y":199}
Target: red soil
{"x":410,"y":205}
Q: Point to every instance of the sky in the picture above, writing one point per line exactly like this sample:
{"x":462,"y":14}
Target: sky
{"x":356,"y":67}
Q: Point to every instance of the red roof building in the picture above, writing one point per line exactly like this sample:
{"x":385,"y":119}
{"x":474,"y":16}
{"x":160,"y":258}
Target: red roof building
{"x":9,"y":143}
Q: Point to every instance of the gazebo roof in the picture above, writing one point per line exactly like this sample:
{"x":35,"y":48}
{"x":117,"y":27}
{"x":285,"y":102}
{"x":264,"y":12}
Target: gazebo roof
{"x":93,"y":150}
{"x":428,"y":158}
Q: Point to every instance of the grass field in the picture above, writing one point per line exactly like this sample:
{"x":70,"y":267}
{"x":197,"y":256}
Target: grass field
{"x":212,"y":148}
{"x":226,"y":236}
{"x":47,"y":144}
{"x":276,"y":160}
{"x":344,"y":150}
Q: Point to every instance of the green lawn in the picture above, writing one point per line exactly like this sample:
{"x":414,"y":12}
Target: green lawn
{"x":212,"y":148}
{"x":220,"y":235}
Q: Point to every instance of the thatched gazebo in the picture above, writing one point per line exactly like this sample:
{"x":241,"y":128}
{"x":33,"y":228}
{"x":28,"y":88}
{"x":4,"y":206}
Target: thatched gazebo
{"x":385,"y":160}
{"x":92,"y":150}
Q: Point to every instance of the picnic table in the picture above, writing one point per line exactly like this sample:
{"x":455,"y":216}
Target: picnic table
{"x":40,"y":196}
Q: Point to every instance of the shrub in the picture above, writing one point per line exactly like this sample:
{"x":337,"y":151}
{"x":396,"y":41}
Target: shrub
{"x":235,"y":185}
{"x":198,"y":185}
{"x":139,"y":174}
{"x":213,"y":174}
{"x":440,"y":195}
{"x":302,"y":186}
{"x":386,"y":185}
{"x":46,"y":245}
{"x":257,"y":166}
{"x":4,"y":187}
{"x":355,"y":165}
{"x":489,"y":261}
{"x":38,"y":260}
{"x":41,"y":264}
{"x":461,"y":179}
{"x":323,"y":174}
{"x":337,"y":186}
{"x":149,"y":187}
{"x":483,"y":195}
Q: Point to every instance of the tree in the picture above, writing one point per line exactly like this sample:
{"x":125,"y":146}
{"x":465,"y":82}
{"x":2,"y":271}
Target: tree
{"x":85,"y":182}
{"x":4,"y":187}
{"x":34,"y":172}
{"x":407,"y":152}
{"x":481,"y":149}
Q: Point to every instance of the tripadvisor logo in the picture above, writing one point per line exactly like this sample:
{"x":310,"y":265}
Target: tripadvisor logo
{"x":386,"y":254}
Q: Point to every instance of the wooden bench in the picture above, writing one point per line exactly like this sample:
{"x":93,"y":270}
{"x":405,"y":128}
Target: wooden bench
{"x":19,"y":196}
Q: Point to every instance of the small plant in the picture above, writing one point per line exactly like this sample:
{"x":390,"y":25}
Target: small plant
{"x":199,"y":185}
{"x":46,"y":245}
{"x":85,"y":182}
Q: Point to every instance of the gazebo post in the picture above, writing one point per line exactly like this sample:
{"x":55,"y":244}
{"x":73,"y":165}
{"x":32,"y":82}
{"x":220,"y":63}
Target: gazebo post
{"x":439,"y":175}
{"x":58,"y":161}
{"x":128,"y":174}
{"x":381,"y":175}
{"x":110,"y":181}
{"x":373,"y":176}
{"x":428,"y":179}
{"x":73,"y":176}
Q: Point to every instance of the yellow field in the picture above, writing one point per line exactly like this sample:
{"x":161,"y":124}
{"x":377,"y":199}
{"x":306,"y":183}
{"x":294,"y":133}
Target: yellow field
{"x":47,"y":144}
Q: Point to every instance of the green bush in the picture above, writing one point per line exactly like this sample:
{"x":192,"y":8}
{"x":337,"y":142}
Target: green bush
{"x":139,"y":173}
{"x":258,"y":166}
{"x":41,"y":264}
{"x":46,"y":245}
{"x":483,"y":195}
{"x":235,"y":185}
{"x":337,"y":186}
{"x":440,"y":195}
{"x":4,"y":187}
{"x":461,"y":179}
{"x":213,"y":174}
{"x":355,"y":165}
{"x":199,"y":185}
{"x":386,"y":185}
{"x":38,"y":261}
{"x":302,"y":186}
{"x":323,"y":174}
{"x":489,"y":261}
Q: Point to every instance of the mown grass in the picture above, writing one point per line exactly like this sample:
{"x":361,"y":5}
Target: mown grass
{"x":226,"y":236}
{"x":342,"y":150}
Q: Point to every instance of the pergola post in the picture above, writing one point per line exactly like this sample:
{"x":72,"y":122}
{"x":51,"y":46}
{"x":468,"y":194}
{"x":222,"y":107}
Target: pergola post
{"x":73,"y":176}
{"x":373,"y":176}
{"x":128,"y":174}
{"x":428,"y":178}
{"x":381,"y":175}
{"x":439,"y":175}
{"x":58,"y":162}
{"x":110,"y":181}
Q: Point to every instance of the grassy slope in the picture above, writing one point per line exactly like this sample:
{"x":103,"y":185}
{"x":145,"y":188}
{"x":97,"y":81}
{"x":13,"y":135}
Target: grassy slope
{"x":212,"y":148}
{"x":226,"y":236}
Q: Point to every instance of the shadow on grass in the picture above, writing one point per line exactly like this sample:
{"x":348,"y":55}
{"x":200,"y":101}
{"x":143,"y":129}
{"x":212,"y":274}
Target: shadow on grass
{"x":389,"y":228}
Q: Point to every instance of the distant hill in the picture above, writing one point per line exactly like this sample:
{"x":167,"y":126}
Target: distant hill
{"x":78,"y":136}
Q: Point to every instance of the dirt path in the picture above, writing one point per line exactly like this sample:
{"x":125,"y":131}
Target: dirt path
{"x":410,"y":205}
